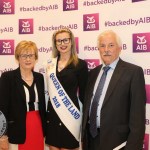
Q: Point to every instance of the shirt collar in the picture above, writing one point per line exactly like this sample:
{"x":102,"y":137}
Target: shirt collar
{"x":113,"y":64}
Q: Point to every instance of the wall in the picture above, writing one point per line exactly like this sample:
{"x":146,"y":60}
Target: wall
{"x":37,"y":20}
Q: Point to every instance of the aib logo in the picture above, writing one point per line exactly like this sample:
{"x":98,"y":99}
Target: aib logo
{"x":146,"y":142}
{"x":69,"y":5}
{"x":7,"y":7}
{"x":137,"y":0}
{"x":147,"y":93}
{"x":92,"y":63}
{"x":6,"y":47}
{"x":141,"y":42}
{"x":77,"y":44}
{"x":25,"y":26}
{"x":91,"y":22}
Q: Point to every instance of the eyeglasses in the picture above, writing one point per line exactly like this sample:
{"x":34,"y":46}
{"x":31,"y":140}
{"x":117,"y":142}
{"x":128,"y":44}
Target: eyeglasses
{"x":65,"y":41}
{"x":25,"y":56}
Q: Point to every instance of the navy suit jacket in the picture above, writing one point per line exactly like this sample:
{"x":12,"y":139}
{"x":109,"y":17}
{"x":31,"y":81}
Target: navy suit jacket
{"x":13,"y":103}
{"x":123,"y":110}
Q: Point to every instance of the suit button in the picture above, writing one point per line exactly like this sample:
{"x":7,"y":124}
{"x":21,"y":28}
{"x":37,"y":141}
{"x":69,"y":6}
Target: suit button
{"x":47,"y":121}
{"x":59,"y":124}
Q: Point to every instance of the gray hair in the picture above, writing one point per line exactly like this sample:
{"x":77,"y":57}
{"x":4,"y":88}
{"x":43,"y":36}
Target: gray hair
{"x":118,"y":39}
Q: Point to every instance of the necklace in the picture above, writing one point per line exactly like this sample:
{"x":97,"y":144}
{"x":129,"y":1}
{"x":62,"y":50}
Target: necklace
{"x":25,"y":79}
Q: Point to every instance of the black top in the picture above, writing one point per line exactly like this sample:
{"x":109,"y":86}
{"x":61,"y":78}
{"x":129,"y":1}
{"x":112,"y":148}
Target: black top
{"x":13,"y":103}
{"x":73,"y":79}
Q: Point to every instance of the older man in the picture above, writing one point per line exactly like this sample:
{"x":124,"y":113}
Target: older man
{"x":114,"y":108}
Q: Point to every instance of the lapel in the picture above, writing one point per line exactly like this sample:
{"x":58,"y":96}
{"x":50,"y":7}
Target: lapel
{"x":38,"y":85}
{"x":66,"y":70}
{"x":92,"y":78}
{"x":93,"y":74}
{"x":114,"y":80}
{"x":19,"y":84}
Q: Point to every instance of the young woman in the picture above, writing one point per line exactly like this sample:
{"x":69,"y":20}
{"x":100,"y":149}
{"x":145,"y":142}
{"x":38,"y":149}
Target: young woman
{"x":66,"y":80}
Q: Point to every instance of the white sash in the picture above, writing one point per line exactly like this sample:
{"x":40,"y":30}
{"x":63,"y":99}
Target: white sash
{"x":62,"y":104}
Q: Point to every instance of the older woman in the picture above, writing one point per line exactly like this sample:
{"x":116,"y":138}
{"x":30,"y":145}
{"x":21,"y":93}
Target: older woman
{"x":22,"y":101}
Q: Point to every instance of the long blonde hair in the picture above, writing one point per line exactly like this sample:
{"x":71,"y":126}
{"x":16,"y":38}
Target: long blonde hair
{"x":55,"y":53}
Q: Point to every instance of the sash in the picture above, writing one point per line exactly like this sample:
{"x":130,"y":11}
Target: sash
{"x":62,"y":104}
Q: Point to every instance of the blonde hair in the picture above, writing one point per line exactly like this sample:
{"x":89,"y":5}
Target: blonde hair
{"x":25,"y":46}
{"x":55,"y":53}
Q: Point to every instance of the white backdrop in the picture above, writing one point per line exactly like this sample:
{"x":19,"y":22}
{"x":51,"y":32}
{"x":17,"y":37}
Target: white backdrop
{"x":37,"y":20}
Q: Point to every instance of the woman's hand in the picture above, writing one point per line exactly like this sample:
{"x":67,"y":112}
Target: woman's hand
{"x":4,"y":144}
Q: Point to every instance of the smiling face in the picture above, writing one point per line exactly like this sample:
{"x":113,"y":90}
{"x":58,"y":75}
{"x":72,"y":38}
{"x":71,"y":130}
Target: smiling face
{"x":63,"y":43}
{"x":109,"y":49}
{"x":27,"y":59}
{"x":26,"y":53}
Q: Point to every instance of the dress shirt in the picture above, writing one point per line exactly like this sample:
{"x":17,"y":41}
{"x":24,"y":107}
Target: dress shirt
{"x":108,"y":78}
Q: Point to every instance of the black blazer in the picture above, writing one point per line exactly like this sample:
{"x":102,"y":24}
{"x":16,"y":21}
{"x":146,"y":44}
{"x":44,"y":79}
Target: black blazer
{"x":123,"y":109}
{"x":13,"y":103}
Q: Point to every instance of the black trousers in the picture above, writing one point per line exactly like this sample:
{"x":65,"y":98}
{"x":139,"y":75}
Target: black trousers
{"x":91,"y":143}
